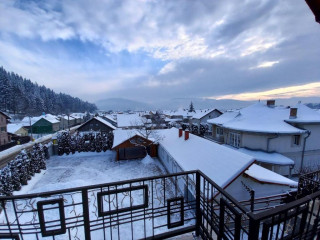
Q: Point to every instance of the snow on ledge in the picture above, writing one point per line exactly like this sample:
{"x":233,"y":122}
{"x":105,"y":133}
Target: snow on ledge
{"x":264,"y":175}
{"x":270,"y":158}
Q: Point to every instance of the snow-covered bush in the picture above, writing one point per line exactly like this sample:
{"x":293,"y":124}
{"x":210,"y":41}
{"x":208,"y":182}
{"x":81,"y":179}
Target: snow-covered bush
{"x":18,"y":171}
{"x":84,"y":142}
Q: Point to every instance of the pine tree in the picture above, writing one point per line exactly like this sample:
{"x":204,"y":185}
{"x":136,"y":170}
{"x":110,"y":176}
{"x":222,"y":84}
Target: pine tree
{"x":191,"y":108}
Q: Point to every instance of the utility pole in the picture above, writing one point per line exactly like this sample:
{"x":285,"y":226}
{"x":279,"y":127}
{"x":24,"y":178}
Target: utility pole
{"x":30,"y":128}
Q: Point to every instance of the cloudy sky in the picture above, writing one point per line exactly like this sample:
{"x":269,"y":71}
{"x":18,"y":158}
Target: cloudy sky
{"x":149,"y":50}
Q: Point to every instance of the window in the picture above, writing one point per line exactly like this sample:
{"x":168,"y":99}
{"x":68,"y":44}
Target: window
{"x":296,"y":140}
{"x":234,"y":139}
{"x":219,"y":131}
{"x":3,"y":129}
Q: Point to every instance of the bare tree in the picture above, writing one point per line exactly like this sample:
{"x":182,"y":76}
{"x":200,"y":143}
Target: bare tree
{"x":144,"y":129}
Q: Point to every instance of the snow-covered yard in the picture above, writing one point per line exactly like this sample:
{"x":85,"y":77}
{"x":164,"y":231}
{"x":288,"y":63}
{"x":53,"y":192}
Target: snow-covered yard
{"x":89,"y":168}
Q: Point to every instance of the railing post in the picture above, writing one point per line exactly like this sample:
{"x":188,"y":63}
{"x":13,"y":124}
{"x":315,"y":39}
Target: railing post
{"x":86,"y":217}
{"x":253,"y":228}
{"x":252,"y":200}
{"x":198,"y":209}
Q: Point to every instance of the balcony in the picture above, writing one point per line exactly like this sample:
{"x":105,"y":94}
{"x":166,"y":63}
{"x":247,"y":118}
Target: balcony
{"x":161,"y":207}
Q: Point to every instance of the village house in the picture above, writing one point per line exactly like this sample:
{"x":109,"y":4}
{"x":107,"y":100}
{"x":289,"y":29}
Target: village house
{"x":201,"y":117}
{"x":4,"y":137}
{"x":180,"y":117}
{"x":46,"y":124}
{"x":66,"y":122}
{"x":97,"y":124}
{"x":262,"y":130}
{"x":17,"y":129}
{"x":132,"y":121}
{"x":110,"y":118}
{"x":78,"y":118}
{"x":232,"y":170}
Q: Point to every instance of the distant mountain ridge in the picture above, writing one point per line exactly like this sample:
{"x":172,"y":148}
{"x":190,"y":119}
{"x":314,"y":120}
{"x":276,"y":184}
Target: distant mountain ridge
{"x":121,"y":104}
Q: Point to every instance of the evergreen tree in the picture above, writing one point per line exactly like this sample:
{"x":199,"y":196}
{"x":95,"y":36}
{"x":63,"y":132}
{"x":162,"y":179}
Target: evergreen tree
{"x":19,"y":95}
{"x":191,"y":108}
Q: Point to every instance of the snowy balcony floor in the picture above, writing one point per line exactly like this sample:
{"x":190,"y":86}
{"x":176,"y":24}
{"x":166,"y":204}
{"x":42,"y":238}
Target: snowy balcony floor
{"x":88,"y":168}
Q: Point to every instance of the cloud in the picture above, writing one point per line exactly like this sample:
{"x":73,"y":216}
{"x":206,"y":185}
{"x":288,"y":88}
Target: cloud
{"x":167,"y":30}
{"x":310,"y":89}
{"x":160,"y":49}
{"x":266,"y":64}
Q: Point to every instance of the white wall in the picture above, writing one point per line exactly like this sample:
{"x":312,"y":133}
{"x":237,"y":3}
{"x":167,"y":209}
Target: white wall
{"x":238,"y":191}
{"x":313,"y":141}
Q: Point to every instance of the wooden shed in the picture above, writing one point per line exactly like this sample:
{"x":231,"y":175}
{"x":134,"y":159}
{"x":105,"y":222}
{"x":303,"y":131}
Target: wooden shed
{"x":133,"y":147}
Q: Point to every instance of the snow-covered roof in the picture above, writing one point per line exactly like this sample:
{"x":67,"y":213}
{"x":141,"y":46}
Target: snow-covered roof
{"x":182,"y":112}
{"x":225,"y":117}
{"x":13,"y":127}
{"x":129,"y":120}
{"x":271,"y":158}
{"x":110,"y":117}
{"x":264,"y":175}
{"x":26,"y":120}
{"x":218,"y":162}
{"x":77,"y":115}
{"x":259,"y":118}
{"x":49,"y":117}
{"x":305,"y":115}
{"x":171,"y":120}
{"x":201,"y":113}
{"x":121,"y":135}
{"x":105,"y":122}
{"x":65,"y":117}
{"x":6,"y":115}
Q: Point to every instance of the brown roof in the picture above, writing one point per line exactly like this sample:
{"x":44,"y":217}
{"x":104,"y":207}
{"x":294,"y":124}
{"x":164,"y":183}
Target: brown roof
{"x":5,"y":115}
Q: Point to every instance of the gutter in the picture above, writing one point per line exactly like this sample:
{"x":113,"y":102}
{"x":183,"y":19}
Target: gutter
{"x":304,"y":148}
{"x":269,"y":139}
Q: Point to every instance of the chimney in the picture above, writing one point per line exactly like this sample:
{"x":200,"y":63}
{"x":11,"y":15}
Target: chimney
{"x":293,"y":112}
{"x":180,"y":132}
{"x":186,"y":135}
{"x":271,"y":103}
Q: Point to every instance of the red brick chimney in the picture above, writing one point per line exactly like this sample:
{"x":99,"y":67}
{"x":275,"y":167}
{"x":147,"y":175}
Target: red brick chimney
{"x":180,"y":132}
{"x":186,"y":135}
{"x":293,"y":112}
{"x":271,"y":103}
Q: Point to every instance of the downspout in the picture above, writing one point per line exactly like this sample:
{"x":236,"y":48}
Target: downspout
{"x":270,"y":138}
{"x":303,"y":149}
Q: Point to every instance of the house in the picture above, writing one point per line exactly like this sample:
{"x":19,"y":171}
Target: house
{"x":291,"y":132}
{"x":306,"y":118}
{"x":111,"y":119}
{"x":97,"y":124}
{"x":46,"y":124}
{"x":17,"y":129}
{"x":230,"y":169}
{"x":201,"y":117}
{"x":66,"y":122}
{"x":4,"y":137}
{"x":78,"y":117}
{"x":131,"y":144}
{"x":131,"y":121}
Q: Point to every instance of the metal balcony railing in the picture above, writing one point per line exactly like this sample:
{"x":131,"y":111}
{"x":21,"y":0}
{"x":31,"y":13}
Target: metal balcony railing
{"x":156,"y":208}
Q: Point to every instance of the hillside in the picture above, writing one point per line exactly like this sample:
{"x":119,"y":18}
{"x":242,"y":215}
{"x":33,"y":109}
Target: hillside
{"x":20,"y":95}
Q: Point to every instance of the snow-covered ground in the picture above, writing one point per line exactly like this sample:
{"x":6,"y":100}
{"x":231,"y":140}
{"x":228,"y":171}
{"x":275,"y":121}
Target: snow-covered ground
{"x":82,"y":169}
{"x":89,"y":168}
